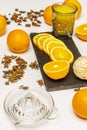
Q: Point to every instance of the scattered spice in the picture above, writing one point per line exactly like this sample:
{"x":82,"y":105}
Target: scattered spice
{"x":34,"y":65}
{"x":40,"y":82}
{"x":21,"y":63}
{"x":27,"y":25}
{"x":16,"y":72}
{"x":7,"y":60}
{"x":24,"y":87}
{"x":31,"y":18}
{"x":76,"y":89}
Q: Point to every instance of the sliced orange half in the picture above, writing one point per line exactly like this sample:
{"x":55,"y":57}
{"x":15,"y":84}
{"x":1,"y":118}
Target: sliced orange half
{"x":81,"y":31}
{"x":56,"y":69}
{"x":82,"y":37}
{"x":61,"y":53}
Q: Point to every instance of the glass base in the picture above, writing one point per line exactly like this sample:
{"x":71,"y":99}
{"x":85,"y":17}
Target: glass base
{"x":63,"y":36}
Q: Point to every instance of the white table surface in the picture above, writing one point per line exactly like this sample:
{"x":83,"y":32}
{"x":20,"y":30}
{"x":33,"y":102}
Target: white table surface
{"x":66,"y":120}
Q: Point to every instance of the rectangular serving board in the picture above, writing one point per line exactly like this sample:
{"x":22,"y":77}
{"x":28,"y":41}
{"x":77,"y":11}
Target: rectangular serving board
{"x":70,"y":81}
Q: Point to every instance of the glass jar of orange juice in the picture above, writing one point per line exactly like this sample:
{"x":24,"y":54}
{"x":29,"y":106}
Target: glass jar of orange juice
{"x":63,"y":19}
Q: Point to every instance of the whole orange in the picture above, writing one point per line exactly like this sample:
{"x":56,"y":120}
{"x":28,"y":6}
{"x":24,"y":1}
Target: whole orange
{"x":3,"y":24}
{"x":79,"y":103}
{"x":48,"y":15}
{"x":18,"y":41}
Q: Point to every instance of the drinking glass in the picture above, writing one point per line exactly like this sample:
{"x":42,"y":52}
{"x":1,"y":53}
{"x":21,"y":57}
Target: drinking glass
{"x":63,"y":19}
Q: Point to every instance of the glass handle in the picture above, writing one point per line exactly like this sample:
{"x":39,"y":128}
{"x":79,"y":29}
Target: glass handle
{"x":54,"y":114}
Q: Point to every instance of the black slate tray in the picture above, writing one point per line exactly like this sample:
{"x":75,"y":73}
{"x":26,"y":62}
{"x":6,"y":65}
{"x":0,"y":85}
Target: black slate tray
{"x":70,"y":81}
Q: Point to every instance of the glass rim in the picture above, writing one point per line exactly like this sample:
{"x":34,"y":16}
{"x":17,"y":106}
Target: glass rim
{"x":60,"y":4}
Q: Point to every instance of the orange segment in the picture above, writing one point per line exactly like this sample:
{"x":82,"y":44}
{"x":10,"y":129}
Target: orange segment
{"x":54,"y":43}
{"x":61,"y":53}
{"x":56,"y":69}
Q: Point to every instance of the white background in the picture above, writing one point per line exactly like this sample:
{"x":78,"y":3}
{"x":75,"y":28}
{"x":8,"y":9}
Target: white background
{"x":66,"y":120}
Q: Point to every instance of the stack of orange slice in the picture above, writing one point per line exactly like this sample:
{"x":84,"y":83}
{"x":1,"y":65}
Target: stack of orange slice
{"x":55,"y":48}
{"x":46,"y":41}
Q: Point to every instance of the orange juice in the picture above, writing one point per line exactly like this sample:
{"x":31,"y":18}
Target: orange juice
{"x":63,"y":19}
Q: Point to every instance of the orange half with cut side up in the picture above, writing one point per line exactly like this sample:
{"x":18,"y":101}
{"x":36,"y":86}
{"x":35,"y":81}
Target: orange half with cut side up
{"x":56,"y":69}
{"x":81,"y":31}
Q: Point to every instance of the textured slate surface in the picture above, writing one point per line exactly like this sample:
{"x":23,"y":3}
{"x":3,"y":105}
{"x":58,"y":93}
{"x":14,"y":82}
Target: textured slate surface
{"x":70,"y":81}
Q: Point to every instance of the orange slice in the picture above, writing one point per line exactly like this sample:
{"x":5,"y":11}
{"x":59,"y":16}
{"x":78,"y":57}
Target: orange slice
{"x":48,"y":40}
{"x":54,"y":43}
{"x":40,"y":41}
{"x":36,"y":37}
{"x":61,"y":53}
{"x":56,"y":69}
